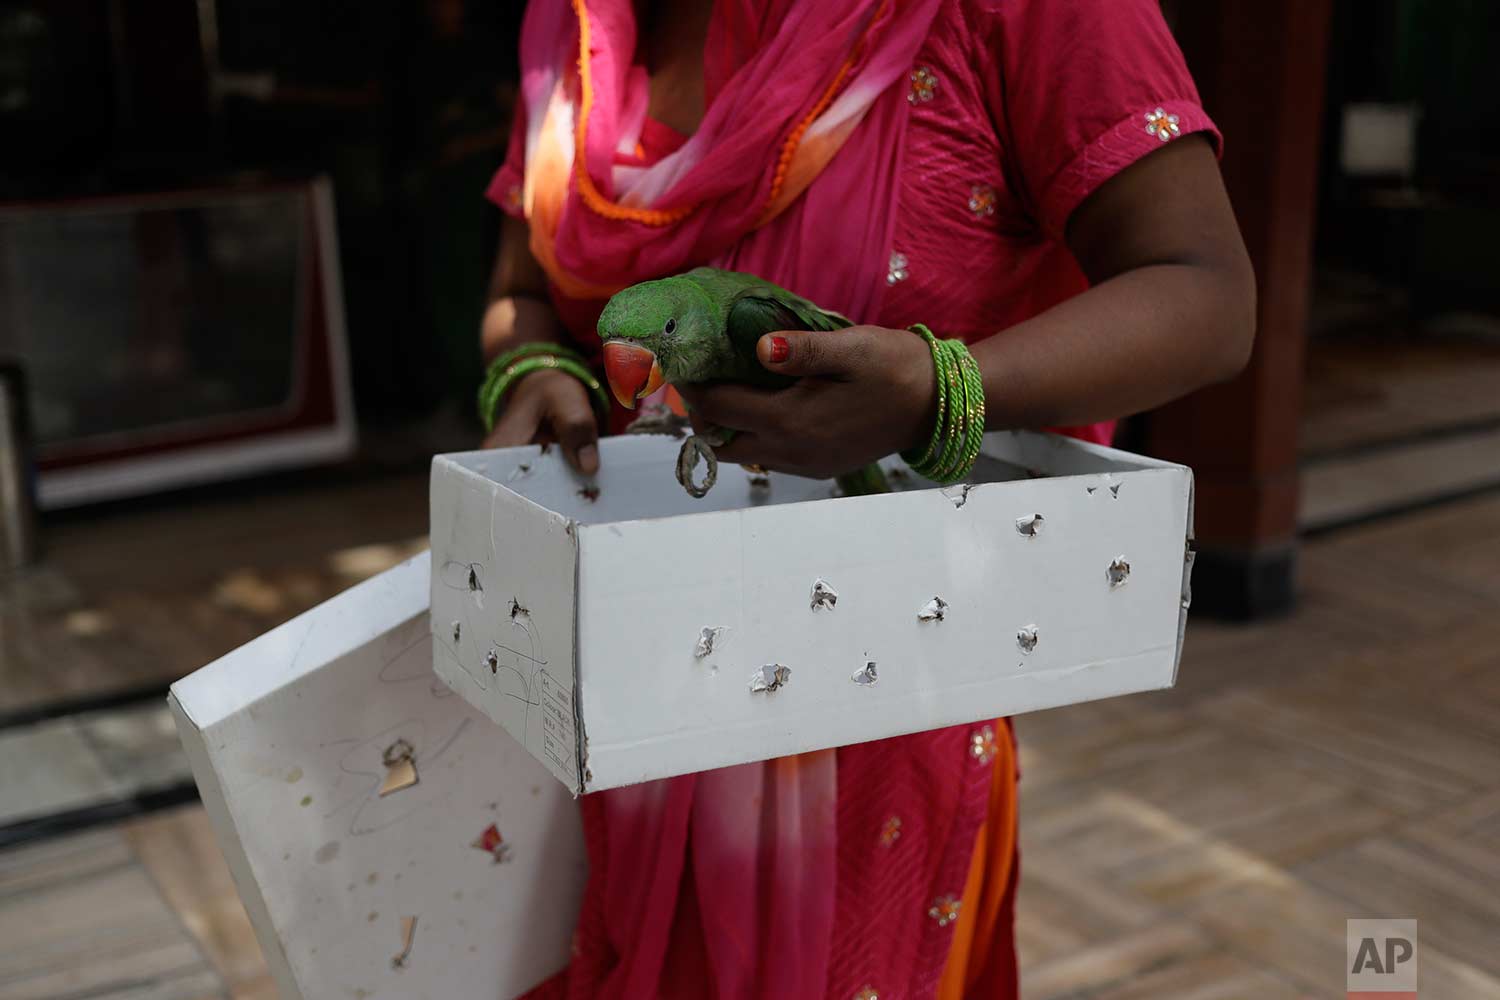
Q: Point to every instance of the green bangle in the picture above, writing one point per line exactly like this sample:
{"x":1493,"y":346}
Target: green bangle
{"x":496,"y":379}
{"x":916,"y":458}
{"x":951,"y":453}
{"x":512,"y":374}
{"x":958,"y":431}
{"x":510,"y":367}
{"x":534,"y":348}
{"x":965,"y":431}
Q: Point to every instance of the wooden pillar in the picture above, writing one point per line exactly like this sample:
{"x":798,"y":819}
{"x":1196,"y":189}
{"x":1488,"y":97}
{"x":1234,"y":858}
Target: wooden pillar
{"x":1260,"y":66}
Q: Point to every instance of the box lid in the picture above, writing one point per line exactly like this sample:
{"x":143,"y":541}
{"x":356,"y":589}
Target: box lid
{"x":352,"y":794}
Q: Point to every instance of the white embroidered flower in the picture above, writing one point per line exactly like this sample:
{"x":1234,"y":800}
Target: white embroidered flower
{"x":982,"y":746}
{"x":944,"y":910}
{"x":982,"y":200}
{"x":897,"y":269}
{"x":924,"y":83}
{"x":1162,"y":125}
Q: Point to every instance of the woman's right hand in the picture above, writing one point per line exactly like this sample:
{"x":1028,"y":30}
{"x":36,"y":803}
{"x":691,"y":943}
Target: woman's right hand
{"x":549,"y":406}
{"x":544,"y":406}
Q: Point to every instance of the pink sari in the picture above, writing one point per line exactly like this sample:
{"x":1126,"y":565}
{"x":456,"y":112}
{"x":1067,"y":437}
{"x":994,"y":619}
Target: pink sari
{"x":838,"y":873}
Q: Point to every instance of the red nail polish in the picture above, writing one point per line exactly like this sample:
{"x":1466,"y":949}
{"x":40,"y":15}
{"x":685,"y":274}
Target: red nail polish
{"x":781,"y":349}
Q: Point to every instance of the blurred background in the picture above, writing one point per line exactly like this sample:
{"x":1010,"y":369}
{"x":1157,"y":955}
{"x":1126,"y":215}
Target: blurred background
{"x":243,"y":255}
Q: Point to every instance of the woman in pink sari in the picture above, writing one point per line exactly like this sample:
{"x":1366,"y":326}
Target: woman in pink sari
{"x":1035,"y":177}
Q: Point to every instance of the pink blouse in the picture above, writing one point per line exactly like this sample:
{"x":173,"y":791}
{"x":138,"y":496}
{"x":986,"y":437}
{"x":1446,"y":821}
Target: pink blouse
{"x":1020,"y":109}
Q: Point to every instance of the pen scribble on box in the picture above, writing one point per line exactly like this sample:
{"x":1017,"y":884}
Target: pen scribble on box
{"x":386,"y":762}
{"x":464,"y":576}
{"x":413,"y":664}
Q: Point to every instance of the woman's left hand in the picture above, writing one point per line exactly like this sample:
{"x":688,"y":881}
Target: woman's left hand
{"x":862,"y":393}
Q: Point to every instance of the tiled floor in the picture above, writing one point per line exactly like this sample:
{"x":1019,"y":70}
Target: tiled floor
{"x":1207,"y":842}
{"x":142,"y":911}
{"x":132,"y":600}
{"x":139,"y":597}
{"x":86,"y":760}
{"x":1342,"y":763}
{"x":1339,"y":489}
{"x":1376,"y":383}
{"x":1397,"y":414}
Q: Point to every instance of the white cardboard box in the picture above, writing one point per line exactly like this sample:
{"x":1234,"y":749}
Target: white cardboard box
{"x":287,"y":738}
{"x":573,"y":618}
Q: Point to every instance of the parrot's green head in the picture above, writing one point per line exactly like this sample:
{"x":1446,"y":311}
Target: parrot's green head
{"x":655,"y":332}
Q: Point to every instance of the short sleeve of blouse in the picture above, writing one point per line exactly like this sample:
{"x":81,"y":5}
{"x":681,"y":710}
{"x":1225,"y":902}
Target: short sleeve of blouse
{"x":505,"y":186}
{"x":1083,"y":89}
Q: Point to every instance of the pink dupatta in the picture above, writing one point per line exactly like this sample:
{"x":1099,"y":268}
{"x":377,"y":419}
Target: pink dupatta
{"x":791,"y":175}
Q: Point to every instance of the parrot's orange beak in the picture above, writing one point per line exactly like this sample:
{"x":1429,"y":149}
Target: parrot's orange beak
{"x":632,"y":372}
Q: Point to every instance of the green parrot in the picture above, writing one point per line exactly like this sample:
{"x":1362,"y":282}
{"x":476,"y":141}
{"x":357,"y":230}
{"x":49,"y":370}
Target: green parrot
{"x":702,"y":326}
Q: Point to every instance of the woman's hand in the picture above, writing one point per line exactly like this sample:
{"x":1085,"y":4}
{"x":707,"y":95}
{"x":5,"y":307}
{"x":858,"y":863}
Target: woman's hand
{"x":862,"y":393}
{"x":548,"y":406}
{"x":544,"y":406}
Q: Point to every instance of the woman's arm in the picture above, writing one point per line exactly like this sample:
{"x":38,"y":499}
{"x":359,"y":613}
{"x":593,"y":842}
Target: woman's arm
{"x":546,"y":405}
{"x":519,"y":308}
{"x":1171,"y":309}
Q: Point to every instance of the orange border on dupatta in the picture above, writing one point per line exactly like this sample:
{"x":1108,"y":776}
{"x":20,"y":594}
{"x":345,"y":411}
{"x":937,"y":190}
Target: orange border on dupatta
{"x":596,"y":201}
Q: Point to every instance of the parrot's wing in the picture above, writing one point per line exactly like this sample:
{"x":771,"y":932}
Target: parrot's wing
{"x":752,"y":316}
{"x":762,"y":306}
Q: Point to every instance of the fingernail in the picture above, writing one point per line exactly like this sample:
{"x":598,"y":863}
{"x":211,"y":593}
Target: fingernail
{"x":781,"y":349}
{"x":588,"y":458}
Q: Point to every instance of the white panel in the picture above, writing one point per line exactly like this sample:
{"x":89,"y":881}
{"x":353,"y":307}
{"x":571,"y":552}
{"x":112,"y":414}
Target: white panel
{"x":653,"y":708}
{"x":503,"y":610}
{"x":655,"y":567}
{"x":286,"y":737}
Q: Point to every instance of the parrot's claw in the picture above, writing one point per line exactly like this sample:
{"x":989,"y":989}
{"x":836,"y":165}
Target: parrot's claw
{"x":687,"y":460}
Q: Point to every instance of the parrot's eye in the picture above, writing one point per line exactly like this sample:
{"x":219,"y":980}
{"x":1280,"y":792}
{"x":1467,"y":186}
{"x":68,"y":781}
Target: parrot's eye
{"x":671,"y":326}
